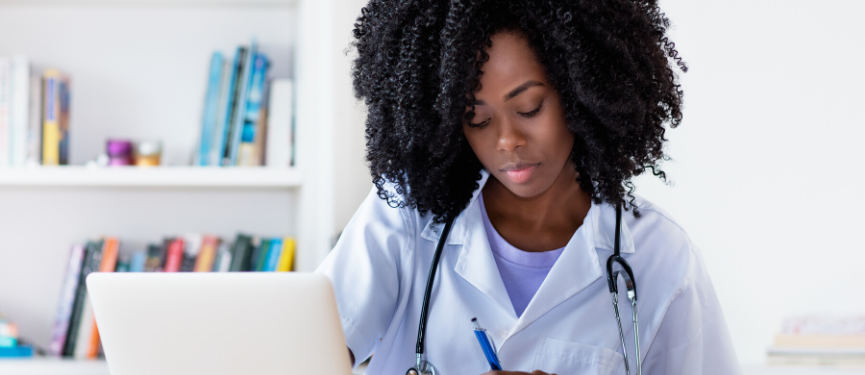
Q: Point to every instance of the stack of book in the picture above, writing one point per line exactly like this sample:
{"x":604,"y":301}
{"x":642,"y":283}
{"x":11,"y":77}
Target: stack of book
{"x":247,"y":119}
{"x":75,"y":334}
{"x":34,"y":115}
{"x":820,"y":340}
{"x":9,"y":346}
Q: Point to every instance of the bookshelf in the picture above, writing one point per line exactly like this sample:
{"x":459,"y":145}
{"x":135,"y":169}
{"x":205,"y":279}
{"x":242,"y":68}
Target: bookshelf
{"x":139,"y":70}
{"x":164,"y":177}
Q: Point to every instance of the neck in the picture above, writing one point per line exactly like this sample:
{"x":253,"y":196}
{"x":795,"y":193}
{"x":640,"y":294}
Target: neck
{"x":543,"y":222}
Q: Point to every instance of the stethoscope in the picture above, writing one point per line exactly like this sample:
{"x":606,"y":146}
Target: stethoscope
{"x":616,"y":265}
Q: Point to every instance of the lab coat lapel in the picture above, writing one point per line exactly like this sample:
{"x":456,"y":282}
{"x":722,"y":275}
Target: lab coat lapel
{"x":476,"y":263}
{"x":576,"y":268}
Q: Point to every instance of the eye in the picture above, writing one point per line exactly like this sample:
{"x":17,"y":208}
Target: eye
{"x":533,"y":112}
{"x":479,"y":125}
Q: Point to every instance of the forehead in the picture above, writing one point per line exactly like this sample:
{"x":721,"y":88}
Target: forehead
{"x":512,"y":62}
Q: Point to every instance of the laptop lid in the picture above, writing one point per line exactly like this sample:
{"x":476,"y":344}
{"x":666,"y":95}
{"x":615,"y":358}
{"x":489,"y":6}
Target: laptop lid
{"x":218,"y":323}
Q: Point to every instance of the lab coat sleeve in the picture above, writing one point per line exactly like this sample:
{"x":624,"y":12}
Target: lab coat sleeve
{"x":693,"y":337}
{"x":364,"y":270}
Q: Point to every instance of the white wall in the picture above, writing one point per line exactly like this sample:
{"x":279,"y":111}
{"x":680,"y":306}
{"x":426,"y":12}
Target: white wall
{"x":767,"y":181}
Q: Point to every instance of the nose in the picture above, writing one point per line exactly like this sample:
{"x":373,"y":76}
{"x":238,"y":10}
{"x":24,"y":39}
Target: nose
{"x":509,"y":136}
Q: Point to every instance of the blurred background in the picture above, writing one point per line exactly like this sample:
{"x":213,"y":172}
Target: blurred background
{"x":763,"y":168}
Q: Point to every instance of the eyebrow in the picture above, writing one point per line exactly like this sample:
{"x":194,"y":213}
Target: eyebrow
{"x":516,"y":91}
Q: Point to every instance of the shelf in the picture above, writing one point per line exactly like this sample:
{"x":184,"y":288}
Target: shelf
{"x":247,"y":177}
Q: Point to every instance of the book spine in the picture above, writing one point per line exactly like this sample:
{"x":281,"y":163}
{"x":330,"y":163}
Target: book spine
{"x":233,"y":106}
{"x":137,"y":261}
{"x":211,"y":105}
{"x":174,"y":256}
{"x":5,"y":98}
{"x":273,"y":255}
{"x":110,"y":253}
{"x":92,"y":260}
{"x":224,"y":263}
{"x":34,"y":126}
{"x":19,"y":111}
{"x":240,"y":253}
{"x":67,"y":301}
{"x":217,"y":147}
{"x":207,"y":255}
{"x":286,"y":259}
{"x":245,"y":83}
{"x":259,"y":256}
{"x":63,"y":91}
{"x":279,"y":117}
{"x":247,"y":153}
{"x":51,"y":123}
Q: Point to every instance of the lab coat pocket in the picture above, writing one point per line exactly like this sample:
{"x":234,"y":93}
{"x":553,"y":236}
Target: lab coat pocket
{"x":573,"y":358}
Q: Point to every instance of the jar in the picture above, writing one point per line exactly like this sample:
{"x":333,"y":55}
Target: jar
{"x":119,"y":152}
{"x":148,"y":153}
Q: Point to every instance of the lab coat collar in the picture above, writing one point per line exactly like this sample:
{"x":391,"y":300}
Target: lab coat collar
{"x":577,"y":267}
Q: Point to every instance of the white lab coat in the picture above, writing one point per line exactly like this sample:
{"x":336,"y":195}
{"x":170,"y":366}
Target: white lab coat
{"x":379,"y":269}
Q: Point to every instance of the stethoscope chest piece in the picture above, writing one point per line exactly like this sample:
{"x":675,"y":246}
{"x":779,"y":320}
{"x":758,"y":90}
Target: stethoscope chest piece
{"x":422,"y":368}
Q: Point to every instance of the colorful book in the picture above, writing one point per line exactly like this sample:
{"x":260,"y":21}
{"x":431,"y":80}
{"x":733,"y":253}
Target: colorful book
{"x":279,"y":129}
{"x":137,"y":261}
{"x":247,"y":153}
{"x":155,"y":258}
{"x":22,"y":351}
{"x":223,"y":260}
{"x":92,"y":261}
{"x":211,"y":106}
{"x":286,"y":259}
{"x":55,"y":128}
{"x":67,"y":300}
{"x":272,"y":260}
{"x":239,"y":115}
{"x":191,"y":248}
{"x":241,"y":253}
{"x":34,"y":122}
{"x":5,"y":110}
{"x":110,"y":253}
{"x":174,"y":256}
{"x":233,"y":106}
{"x":260,"y":255}
{"x":226,"y":91}
{"x":19,"y":110}
{"x":207,"y":255}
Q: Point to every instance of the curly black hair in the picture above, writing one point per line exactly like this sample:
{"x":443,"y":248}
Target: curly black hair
{"x":419,"y":63}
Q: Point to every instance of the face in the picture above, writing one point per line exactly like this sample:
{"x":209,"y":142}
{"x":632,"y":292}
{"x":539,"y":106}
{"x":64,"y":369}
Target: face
{"x":518,"y":131}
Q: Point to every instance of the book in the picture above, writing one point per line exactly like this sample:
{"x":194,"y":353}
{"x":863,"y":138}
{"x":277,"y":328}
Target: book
{"x":260,"y":141}
{"x":92,"y":261}
{"x":110,"y":253}
{"x":223,"y":259}
{"x":207,"y":255}
{"x":34,"y":122}
{"x":85,"y":331}
{"x":174,"y":255}
{"x":273,"y":254}
{"x":279,"y":143}
{"x":820,"y":340}
{"x":211,"y":106}
{"x":5,"y":108}
{"x":226,"y":91}
{"x":191,"y":248}
{"x":137,"y":261}
{"x":286,"y":258}
{"x":260,"y":255}
{"x":247,"y":153}
{"x":55,"y":115}
{"x":233,"y":107}
{"x":239,"y":115}
{"x":19,"y":110}
{"x":155,"y":258}
{"x":67,"y":301}
{"x":241,"y":253}
{"x":17,"y":352}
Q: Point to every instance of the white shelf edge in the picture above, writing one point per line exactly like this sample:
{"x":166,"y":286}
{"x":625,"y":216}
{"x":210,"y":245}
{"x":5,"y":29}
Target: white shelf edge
{"x":245,"y":177}
{"x":205,"y":3}
{"x":52,"y":366}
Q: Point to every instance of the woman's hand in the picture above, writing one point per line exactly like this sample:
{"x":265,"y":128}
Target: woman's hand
{"x":536,"y":372}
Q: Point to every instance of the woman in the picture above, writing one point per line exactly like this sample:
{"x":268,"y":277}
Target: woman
{"x":522,"y":122}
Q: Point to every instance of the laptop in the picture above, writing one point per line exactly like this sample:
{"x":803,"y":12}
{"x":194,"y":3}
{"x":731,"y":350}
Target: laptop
{"x":218,"y":323}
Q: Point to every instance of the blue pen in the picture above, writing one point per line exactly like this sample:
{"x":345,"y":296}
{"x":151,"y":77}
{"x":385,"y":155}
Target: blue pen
{"x":488,"y":349}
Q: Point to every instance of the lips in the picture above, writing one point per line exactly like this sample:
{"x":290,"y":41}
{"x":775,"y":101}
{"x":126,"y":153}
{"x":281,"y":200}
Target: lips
{"x":520,"y":172}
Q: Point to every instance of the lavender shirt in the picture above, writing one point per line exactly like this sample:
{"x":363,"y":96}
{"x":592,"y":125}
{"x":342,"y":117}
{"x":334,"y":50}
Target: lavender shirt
{"x":522,"y":271}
